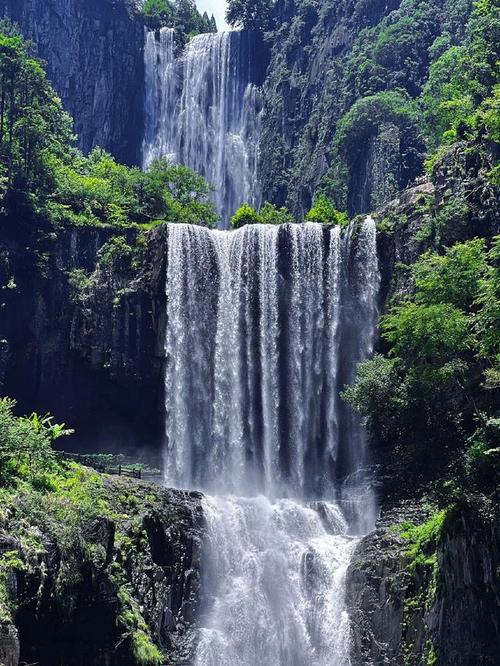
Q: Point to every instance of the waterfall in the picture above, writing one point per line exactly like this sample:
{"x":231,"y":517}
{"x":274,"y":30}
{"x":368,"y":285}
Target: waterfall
{"x":264,"y":327}
{"x":275,"y":585}
{"x":202,"y":109}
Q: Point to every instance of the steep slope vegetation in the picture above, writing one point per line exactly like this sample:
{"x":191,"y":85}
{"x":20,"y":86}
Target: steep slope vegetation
{"x":343,"y":97}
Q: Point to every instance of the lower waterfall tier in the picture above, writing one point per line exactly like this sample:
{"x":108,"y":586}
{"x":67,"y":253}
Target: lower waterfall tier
{"x":273,"y":584}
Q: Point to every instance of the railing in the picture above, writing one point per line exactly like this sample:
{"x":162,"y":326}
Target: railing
{"x":106,"y":464}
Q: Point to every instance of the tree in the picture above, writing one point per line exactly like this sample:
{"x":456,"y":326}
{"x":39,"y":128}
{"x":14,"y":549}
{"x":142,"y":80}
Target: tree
{"x":185,"y":193}
{"x":250,"y":14}
{"x":453,"y":278}
{"x":461,"y":94}
{"x":426,"y":335}
{"x":271,"y":214}
{"x":96,"y":190}
{"x":379,"y":395}
{"x":158,"y":13}
{"x":33,"y":125}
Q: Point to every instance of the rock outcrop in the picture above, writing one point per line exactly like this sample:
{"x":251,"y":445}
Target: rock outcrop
{"x":132,"y":575}
{"x":404,"y":612}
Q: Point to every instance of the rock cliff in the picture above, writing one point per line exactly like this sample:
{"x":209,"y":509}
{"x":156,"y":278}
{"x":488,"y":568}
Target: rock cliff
{"x":78,"y":338}
{"x":102,"y":589}
{"x":94,"y":55}
{"x":434,"y":611}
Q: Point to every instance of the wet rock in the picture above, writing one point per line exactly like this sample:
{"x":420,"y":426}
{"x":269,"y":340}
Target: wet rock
{"x":400,"y":612}
{"x":9,"y":644}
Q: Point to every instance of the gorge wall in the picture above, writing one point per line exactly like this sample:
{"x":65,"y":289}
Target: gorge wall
{"x":72,"y":308}
{"x":53,"y":331}
{"x":94,"y":54}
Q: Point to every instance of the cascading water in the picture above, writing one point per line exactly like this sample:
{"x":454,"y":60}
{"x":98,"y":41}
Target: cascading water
{"x":202,"y":109}
{"x":265,"y":325}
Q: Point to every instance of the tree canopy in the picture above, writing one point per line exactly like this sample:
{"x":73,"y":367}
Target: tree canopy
{"x":250,"y":14}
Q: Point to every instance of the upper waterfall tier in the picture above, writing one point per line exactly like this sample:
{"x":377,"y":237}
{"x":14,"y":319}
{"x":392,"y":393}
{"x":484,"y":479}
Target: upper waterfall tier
{"x":202,"y":109}
{"x":265,"y":326}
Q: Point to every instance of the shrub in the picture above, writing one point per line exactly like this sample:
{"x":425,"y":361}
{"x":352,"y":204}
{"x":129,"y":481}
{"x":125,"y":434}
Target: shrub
{"x":245,"y":215}
{"x":26,"y":443}
{"x":324,"y":212}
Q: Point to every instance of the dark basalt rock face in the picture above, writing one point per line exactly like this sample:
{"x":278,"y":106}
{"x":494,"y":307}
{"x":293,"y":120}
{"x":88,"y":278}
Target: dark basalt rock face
{"x":392,"y":623}
{"x":305,"y":96}
{"x":92,"y":362}
{"x":94,"y":55}
{"x":68,"y":610}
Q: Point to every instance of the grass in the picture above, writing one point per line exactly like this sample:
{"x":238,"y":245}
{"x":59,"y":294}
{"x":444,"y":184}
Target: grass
{"x":422,"y":539}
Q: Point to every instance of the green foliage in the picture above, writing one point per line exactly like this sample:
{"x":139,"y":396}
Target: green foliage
{"x":116,"y":256}
{"x":187,"y":18}
{"x":245,"y":215}
{"x":453,"y":277}
{"x":9,"y":562}
{"x":271,"y":214}
{"x":180,"y":14}
{"x":379,"y":396}
{"x":324,"y":212}
{"x":79,"y":282}
{"x":368,"y":114}
{"x":486,"y":440}
{"x":452,"y":213}
{"x":423,"y":539}
{"x":144,"y":651}
{"x":39,"y":164}
{"x":96,"y":190}
{"x":426,"y":335}
{"x":424,"y":574}
{"x":26,"y":444}
{"x":395,"y":52}
{"x":250,"y":14}
{"x":33,"y":126}
{"x":158,"y":13}
{"x":51,"y":501}
{"x":461,"y":97}
{"x":268,"y":214}
{"x":487,"y":318}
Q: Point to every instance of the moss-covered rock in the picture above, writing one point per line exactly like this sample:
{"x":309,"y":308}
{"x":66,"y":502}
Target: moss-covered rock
{"x":97,"y":569}
{"x":423,"y":588}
